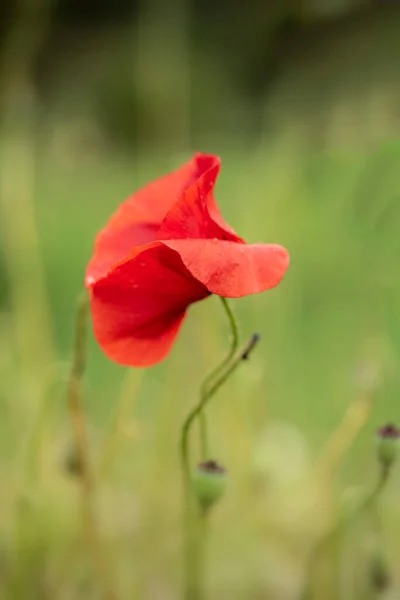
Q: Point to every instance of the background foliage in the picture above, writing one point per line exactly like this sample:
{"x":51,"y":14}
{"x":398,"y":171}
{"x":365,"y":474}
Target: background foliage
{"x":300,"y":99}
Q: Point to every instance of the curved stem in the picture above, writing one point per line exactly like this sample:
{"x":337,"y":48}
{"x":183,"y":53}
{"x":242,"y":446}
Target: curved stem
{"x":193,"y":560}
{"x":209,"y":393}
{"x":211,"y":376}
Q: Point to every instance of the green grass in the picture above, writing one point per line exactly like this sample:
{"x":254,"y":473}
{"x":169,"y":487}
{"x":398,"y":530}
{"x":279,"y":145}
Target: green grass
{"x":336,"y":313}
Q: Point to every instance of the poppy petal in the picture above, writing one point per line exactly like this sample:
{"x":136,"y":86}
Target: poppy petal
{"x":196,"y":214}
{"x":139,"y":218}
{"x":139,"y":306}
{"x":230,"y":269}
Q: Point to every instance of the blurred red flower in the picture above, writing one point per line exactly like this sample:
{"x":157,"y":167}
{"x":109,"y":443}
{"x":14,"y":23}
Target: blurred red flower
{"x":166,"y":247}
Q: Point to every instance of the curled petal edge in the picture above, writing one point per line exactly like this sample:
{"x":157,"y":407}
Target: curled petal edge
{"x":230,"y":269}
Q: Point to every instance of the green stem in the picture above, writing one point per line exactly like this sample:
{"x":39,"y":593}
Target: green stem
{"x":333,"y":536}
{"x":205,"y":399}
{"x":193,"y":525}
{"x":81,"y":450}
{"x":211,"y":376}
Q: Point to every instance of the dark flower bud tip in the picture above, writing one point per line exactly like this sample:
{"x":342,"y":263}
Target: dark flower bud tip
{"x":255,"y":338}
{"x":388,"y":444}
{"x":209,"y":483}
{"x":389,"y":431}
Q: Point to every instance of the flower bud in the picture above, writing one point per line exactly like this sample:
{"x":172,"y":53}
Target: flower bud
{"x":388,"y":444}
{"x":252,"y":343}
{"x":209,"y":482}
{"x":71,"y":463}
{"x":379,"y":572}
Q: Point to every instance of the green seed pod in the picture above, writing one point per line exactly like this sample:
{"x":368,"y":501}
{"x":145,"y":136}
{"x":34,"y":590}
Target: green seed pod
{"x":209,"y":483}
{"x":388,"y":445}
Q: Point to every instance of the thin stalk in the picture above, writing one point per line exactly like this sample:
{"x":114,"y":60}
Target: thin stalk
{"x":74,"y":395}
{"x":205,"y":399}
{"x":81,"y":449}
{"x":121,"y":417}
{"x":194,"y":524}
{"x":211,"y":376}
{"x":344,"y":435}
{"x":332,"y":537}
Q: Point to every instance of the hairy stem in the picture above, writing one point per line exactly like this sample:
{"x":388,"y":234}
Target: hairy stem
{"x":81,"y":449}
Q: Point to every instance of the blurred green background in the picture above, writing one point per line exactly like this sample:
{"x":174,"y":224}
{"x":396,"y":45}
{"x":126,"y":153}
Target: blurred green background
{"x":301,"y":101}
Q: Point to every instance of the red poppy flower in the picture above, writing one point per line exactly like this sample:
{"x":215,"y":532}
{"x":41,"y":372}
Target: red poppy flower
{"x":166,"y":247}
